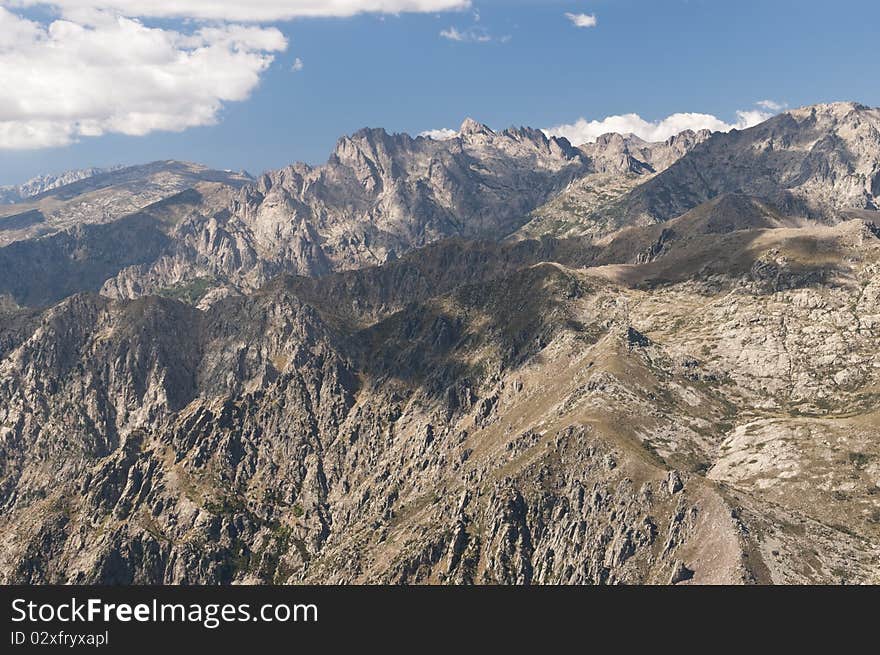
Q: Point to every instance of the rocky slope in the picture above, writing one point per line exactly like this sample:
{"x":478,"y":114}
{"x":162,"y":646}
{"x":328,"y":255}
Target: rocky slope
{"x":381,"y":195}
{"x":378,"y":197}
{"x":662,"y":421}
{"x":305,"y":380}
{"x":42,"y":183}
{"x":820,"y":162}
{"x":102,"y":197}
{"x":618,"y":164}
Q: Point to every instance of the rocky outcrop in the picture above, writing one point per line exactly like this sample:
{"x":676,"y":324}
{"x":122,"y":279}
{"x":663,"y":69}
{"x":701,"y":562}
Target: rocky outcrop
{"x":817,"y":162}
{"x":379,"y":196}
{"x":103,"y":197}
{"x":43,"y":183}
{"x":617,"y":164}
{"x":628,"y":154}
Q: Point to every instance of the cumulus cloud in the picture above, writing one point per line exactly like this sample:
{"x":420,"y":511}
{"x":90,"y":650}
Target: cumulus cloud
{"x":71,"y":79}
{"x":443,"y":134}
{"x":252,"y":11}
{"x":98,"y":67}
{"x":581,"y":20}
{"x":298,"y":65}
{"x":587,"y":131}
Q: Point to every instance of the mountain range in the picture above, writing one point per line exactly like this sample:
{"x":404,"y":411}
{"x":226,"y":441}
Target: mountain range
{"x":498,"y":358}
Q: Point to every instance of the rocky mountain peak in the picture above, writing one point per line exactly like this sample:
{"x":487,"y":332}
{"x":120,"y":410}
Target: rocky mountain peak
{"x":370,"y":142}
{"x":630,"y":154}
{"x":819,"y":162}
{"x":470,"y":127}
{"x":851,"y":122}
{"x":831,"y":110}
{"x":689,"y":137}
{"x":616,"y":139}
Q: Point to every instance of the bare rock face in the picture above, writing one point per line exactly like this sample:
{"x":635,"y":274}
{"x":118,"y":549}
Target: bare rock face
{"x":43,"y":183}
{"x":618,"y":153}
{"x":818,"y":162}
{"x":51,"y":205}
{"x":378,"y":197}
{"x":525,"y":423}
{"x":381,"y":195}
{"x":617,"y":164}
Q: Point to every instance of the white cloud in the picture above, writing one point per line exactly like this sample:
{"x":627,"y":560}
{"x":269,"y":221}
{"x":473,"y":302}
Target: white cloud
{"x":443,"y":134}
{"x":96,"y":69}
{"x":581,"y":20}
{"x":584,"y":131}
{"x":771,"y":105}
{"x":107,"y":73}
{"x":252,"y":11}
{"x":471,"y":35}
{"x":746,"y":118}
{"x":298,"y":65}
{"x":452,"y":34}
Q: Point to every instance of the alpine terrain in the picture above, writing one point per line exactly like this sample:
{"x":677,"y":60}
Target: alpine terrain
{"x":499,"y":358}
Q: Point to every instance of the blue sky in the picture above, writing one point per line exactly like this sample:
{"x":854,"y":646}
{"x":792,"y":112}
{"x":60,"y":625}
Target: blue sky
{"x":520,"y":62}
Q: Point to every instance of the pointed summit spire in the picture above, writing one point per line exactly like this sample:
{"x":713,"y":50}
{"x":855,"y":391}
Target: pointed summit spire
{"x":470,"y":126}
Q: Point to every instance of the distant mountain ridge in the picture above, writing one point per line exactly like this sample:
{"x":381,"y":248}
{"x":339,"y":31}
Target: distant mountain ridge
{"x":378,"y":196}
{"x":381,"y":195}
{"x":42,"y":183}
{"x":617,"y":164}
{"x":104,"y":197}
{"x":819,"y":162}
